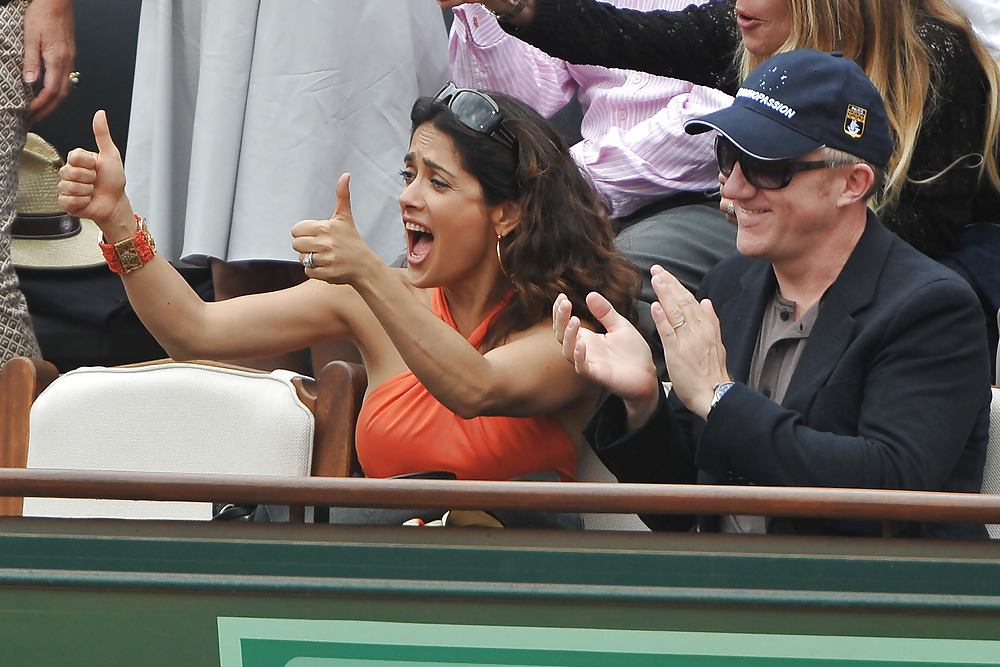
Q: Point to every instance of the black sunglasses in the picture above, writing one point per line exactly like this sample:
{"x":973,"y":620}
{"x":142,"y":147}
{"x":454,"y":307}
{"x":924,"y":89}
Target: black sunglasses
{"x":762,"y":174}
{"x":477,"y":111}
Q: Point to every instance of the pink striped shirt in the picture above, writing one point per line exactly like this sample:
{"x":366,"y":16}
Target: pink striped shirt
{"x":634,"y":147}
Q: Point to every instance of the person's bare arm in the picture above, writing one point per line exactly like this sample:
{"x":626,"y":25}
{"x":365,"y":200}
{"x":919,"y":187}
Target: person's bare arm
{"x":92,"y":186}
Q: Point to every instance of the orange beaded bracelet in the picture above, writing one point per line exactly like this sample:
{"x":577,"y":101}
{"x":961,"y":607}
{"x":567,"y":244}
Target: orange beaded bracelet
{"x":132,"y":253}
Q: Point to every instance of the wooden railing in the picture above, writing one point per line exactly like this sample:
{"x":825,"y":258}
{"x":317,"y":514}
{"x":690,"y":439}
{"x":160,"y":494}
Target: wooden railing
{"x":532,"y":496}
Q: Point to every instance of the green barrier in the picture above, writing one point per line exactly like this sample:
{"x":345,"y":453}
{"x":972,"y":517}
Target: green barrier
{"x":246,"y":642}
{"x":98,"y":592}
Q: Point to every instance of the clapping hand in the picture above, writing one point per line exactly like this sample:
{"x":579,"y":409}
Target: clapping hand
{"x":619,"y":360}
{"x":333,"y":250}
{"x":692,"y":342}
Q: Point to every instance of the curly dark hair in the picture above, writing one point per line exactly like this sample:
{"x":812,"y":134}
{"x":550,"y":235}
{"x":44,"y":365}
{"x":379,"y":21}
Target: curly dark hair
{"x":564,"y":242}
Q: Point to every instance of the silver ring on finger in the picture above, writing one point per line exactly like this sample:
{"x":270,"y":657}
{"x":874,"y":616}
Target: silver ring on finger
{"x":732,"y":208}
{"x":679,"y":325}
{"x":307,"y":261}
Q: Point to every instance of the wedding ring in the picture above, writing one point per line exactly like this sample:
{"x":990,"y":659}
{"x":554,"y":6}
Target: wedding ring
{"x":307,"y":261}
{"x":679,"y":324}
{"x":732,"y":208}
{"x":74,"y":79}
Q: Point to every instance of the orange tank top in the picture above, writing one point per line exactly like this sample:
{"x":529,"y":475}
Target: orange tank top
{"x":403,"y":429}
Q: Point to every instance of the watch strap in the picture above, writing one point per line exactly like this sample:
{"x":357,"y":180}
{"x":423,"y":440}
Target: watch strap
{"x":516,"y":7}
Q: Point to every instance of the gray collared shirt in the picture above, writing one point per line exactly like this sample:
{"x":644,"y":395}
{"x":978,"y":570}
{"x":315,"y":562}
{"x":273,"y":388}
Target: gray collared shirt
{"x":779,"y":348}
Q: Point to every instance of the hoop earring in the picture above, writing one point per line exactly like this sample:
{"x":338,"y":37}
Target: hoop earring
{"x":500,"y":259}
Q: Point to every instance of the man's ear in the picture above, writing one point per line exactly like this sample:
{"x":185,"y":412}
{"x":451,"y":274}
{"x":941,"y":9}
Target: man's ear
{"x":506,"y":217}
{"x":858,"y":183}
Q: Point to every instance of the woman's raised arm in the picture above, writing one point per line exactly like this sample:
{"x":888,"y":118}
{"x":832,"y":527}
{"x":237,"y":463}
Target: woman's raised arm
{"x":93,"y":186}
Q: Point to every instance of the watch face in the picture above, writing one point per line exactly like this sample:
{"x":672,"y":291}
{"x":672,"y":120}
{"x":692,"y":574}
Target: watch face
{"x":721,"y":391}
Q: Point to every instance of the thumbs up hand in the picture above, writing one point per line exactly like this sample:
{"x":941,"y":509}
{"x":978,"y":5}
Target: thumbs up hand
{"x":92,"y":184}
{"x":333,"y":250}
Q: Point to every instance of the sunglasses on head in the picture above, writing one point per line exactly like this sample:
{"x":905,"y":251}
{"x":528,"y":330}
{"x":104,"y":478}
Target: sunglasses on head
{"x":477,"y":111}
{"x":762,"y":174}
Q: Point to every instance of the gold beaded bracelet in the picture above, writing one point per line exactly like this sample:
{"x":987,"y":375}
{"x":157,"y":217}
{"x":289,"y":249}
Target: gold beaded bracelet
{"x":130,"y":254}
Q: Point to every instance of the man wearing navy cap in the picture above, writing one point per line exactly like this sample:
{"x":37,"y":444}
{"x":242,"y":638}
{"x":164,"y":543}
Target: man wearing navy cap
{"x":827,"y":352}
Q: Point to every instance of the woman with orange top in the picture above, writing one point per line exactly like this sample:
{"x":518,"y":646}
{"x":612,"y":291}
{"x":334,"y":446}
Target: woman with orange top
{"x":464,"y":373}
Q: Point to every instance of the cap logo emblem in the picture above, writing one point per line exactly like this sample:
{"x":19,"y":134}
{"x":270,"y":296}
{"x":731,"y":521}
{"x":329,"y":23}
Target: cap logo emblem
{"x":854,"y":122}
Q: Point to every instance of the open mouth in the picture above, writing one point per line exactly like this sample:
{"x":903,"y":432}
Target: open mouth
{"x":419,"y":240}
{"x":745,"y":20}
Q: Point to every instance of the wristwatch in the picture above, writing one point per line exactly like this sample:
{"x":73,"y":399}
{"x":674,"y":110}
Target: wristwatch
{"x":516,"y":6}
{"x":720,"y":391}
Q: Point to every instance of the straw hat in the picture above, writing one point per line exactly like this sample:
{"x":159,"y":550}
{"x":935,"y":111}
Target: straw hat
{"x":45,"y":237}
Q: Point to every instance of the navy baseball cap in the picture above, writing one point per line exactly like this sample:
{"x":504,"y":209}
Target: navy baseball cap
{"x":798,"y":101}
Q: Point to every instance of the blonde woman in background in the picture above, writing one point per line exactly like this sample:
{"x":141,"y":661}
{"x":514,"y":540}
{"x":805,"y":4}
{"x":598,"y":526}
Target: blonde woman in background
{"x":941,"y":87}
{"x":940,"y":84}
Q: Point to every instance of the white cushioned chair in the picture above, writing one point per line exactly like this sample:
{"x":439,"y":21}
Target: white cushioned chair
{"x":590,"y":469}
{"x":197,"y":417}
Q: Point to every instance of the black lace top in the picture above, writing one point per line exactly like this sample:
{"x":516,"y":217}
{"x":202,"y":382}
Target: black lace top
{"x":698,"y":44}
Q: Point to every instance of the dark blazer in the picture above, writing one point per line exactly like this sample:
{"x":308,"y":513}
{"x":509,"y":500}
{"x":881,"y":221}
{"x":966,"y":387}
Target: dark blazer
{"x":892,"y":391}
